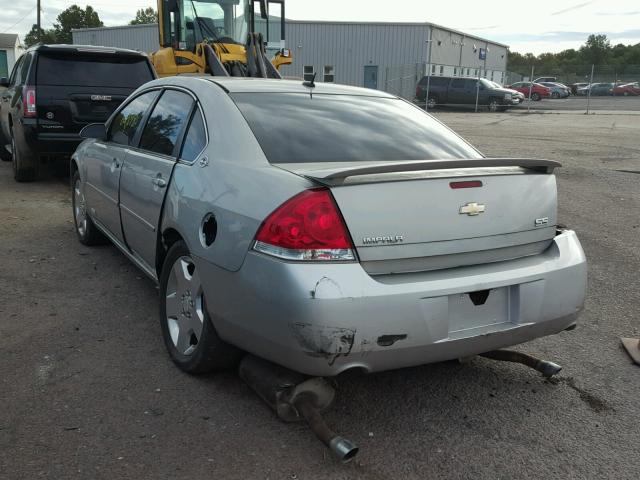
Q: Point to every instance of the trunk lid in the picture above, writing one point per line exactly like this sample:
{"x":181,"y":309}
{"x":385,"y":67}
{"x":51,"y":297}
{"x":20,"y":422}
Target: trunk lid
{"x":407,"y":216}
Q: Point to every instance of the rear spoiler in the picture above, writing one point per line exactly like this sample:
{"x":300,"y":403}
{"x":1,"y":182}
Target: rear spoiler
{"x":334,"y":174}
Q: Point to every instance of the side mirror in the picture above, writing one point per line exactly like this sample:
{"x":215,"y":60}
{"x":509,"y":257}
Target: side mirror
{"x":94,"y":130}
{"x":4,"y":82}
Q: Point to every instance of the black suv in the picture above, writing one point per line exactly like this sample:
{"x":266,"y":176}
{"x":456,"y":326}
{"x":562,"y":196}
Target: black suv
{"x":54,"y":91}
{"x":456,"y":91}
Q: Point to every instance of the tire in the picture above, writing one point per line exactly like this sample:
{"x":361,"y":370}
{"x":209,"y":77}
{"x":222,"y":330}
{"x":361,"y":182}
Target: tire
{"x":86,"y":231}
{"x":535,"y":96}
{"x":494,"y":105}
{"x":188,"y":333}
{"x":432,"y":103}
{"x":20,"y":172}
{"x":5,"y":155}
{"x":555,"y":95}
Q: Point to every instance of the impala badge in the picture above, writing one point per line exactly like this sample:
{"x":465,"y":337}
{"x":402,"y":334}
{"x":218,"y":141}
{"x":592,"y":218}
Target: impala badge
{"x":472,"y":209}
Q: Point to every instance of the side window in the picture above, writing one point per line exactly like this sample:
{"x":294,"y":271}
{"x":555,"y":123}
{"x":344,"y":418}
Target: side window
{"x":24,"y":69}
{"x":15,"y":74}
{"x":458,"y":83}
{"x":196,"y":138}
{"x":126,"y":122}
{"x":162,"y":131}
{"x":472,"y":84}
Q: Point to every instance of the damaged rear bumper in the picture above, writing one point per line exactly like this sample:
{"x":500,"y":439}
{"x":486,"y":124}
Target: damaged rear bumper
{"x":322,"y":319}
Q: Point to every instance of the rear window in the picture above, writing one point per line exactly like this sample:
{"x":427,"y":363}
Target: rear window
{"x":299,"y":128}
{"x":93,"y":70}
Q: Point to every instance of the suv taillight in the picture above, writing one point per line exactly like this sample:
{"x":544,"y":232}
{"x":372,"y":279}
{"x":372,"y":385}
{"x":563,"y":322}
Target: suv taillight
{"x":29,"y":102}
{"x":307,"y":227}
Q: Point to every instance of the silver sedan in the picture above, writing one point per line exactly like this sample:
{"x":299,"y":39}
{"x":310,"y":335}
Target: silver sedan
{"x":323,"y":228}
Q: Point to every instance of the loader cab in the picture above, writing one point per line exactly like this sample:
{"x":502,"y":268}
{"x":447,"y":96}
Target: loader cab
{"x":186,"y":23}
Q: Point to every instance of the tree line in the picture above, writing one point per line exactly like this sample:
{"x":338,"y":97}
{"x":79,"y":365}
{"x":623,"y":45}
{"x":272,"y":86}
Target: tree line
{"x":597,"y":50}
{"x":76,"y":17}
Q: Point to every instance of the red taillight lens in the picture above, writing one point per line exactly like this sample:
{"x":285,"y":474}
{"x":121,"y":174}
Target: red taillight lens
{"x":306,"y":227}
{"x":466,"y":184}
{"x":29,"y":102}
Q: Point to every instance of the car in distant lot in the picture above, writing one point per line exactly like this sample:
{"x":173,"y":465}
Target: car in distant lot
{"x":538,"y":91}
{"x":627,"y":89}
{"x":597,"y":89}
{"x":54,"y":91}
{"x":516,"y":96}
{"x":558,"y":90}
{"x":462,"y":92}
{"x":545,"y":79}
{"x":377,"y":240}
{"x":577,"y":86}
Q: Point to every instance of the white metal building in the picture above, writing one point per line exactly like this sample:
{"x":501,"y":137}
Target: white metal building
{"x":388,"y":56}
{"x":10,"y":51}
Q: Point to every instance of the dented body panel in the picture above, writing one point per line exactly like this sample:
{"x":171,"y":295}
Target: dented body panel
{"x":325,"y":319}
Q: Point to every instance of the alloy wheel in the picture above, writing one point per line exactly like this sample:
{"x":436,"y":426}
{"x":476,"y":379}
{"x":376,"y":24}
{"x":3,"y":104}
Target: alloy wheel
{"x":184,"y":306}
{"x":79,"y":209}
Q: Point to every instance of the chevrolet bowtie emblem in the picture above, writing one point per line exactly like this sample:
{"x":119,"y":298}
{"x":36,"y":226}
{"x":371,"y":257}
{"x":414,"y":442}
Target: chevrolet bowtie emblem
{"x":471,"y":209}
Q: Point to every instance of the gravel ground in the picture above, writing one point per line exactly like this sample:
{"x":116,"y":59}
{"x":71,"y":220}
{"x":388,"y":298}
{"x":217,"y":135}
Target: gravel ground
{"x":88,"y":392}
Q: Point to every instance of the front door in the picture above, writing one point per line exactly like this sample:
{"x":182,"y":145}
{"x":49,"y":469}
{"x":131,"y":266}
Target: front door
{"x":371,"y":76}
{"x":147,"y":173}
{"x":105,"y":160}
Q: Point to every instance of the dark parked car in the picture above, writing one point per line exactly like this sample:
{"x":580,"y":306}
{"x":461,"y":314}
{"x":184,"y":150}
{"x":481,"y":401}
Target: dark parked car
{"x":54,"y":91}
{"x":597,"y":89}
{"x":455,"y":91}
{"x":577,"y":86}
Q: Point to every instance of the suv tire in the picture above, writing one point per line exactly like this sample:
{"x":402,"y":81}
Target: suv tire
{"x":432,"y":102}
{"x":494,"y":105}
{"x":535,"y":96}
{"x":20,"y":172}
{"x":187,"y":330}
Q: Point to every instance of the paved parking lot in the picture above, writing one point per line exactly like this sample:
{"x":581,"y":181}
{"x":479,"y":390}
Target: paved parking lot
{"x":88,"y":392}
{"x":596,"y":104}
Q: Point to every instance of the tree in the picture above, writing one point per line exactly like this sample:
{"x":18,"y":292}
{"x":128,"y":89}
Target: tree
{"x":596,"y":49}
{"x":67,"y":20}
{"x":75,"y":17}
{"x":46,"y":36}
{"x":144,"y":16}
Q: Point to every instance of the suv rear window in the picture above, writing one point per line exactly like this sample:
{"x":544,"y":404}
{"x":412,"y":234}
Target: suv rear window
{"x":93,"y":70}
{"x":297,"y":127}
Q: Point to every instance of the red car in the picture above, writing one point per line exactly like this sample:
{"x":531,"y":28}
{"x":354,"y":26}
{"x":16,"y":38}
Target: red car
{"x":538,"y":92}
{"x":627,"y":89}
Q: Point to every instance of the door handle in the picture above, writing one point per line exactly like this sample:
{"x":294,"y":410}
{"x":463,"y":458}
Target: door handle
{"x":159,"y":182}
{"x":115,"y":163}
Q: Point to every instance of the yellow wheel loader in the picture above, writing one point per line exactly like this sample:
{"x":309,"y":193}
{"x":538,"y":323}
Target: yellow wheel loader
{"x":222,"y":38}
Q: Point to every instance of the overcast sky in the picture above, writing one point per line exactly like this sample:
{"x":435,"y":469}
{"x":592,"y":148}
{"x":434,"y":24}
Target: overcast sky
{"x":543,"y":27}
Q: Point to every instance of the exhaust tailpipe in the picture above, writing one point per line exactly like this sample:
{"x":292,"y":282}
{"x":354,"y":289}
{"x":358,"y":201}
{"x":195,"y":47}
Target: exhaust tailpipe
{"x":546,"y":368}
{"x":295,"y":397}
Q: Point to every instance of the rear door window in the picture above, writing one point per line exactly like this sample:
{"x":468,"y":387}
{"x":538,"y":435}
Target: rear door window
{"x":458,"y":83}
{"x":196,"y":138}
{"x":127,"y":121}
{"x":165,"y":125}
{"x":93,"y":70}
{"x":300,"y":128}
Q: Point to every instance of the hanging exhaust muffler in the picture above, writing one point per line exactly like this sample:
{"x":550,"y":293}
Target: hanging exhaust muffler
{"x":295,"y":397}
{"x":546,"y":368}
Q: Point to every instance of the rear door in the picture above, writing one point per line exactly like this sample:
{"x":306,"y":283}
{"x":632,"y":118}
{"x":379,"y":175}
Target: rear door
{"x":105,"y":159}
{"x":457,"y":92}
{"x":147,"y":172}
{"x":75,"y":87}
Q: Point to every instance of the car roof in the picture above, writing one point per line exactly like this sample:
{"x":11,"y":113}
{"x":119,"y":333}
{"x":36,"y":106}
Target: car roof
{"x":84,"y":49}
{"x":264,"y":85}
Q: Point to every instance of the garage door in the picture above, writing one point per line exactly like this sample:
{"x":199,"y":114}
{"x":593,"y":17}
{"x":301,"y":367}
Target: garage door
{"x":4,"y":70}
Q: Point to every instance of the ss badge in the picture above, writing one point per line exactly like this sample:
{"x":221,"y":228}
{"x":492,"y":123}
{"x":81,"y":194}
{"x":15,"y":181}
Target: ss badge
{"x":542,"y":222}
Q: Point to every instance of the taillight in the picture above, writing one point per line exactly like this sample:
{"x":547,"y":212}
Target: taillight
{"x":29,"y":102}
{"x":306,"y":227}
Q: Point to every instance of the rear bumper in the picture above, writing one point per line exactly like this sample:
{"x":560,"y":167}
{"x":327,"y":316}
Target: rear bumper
{"x":324,"y":319}
{"x":49,"y":143}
